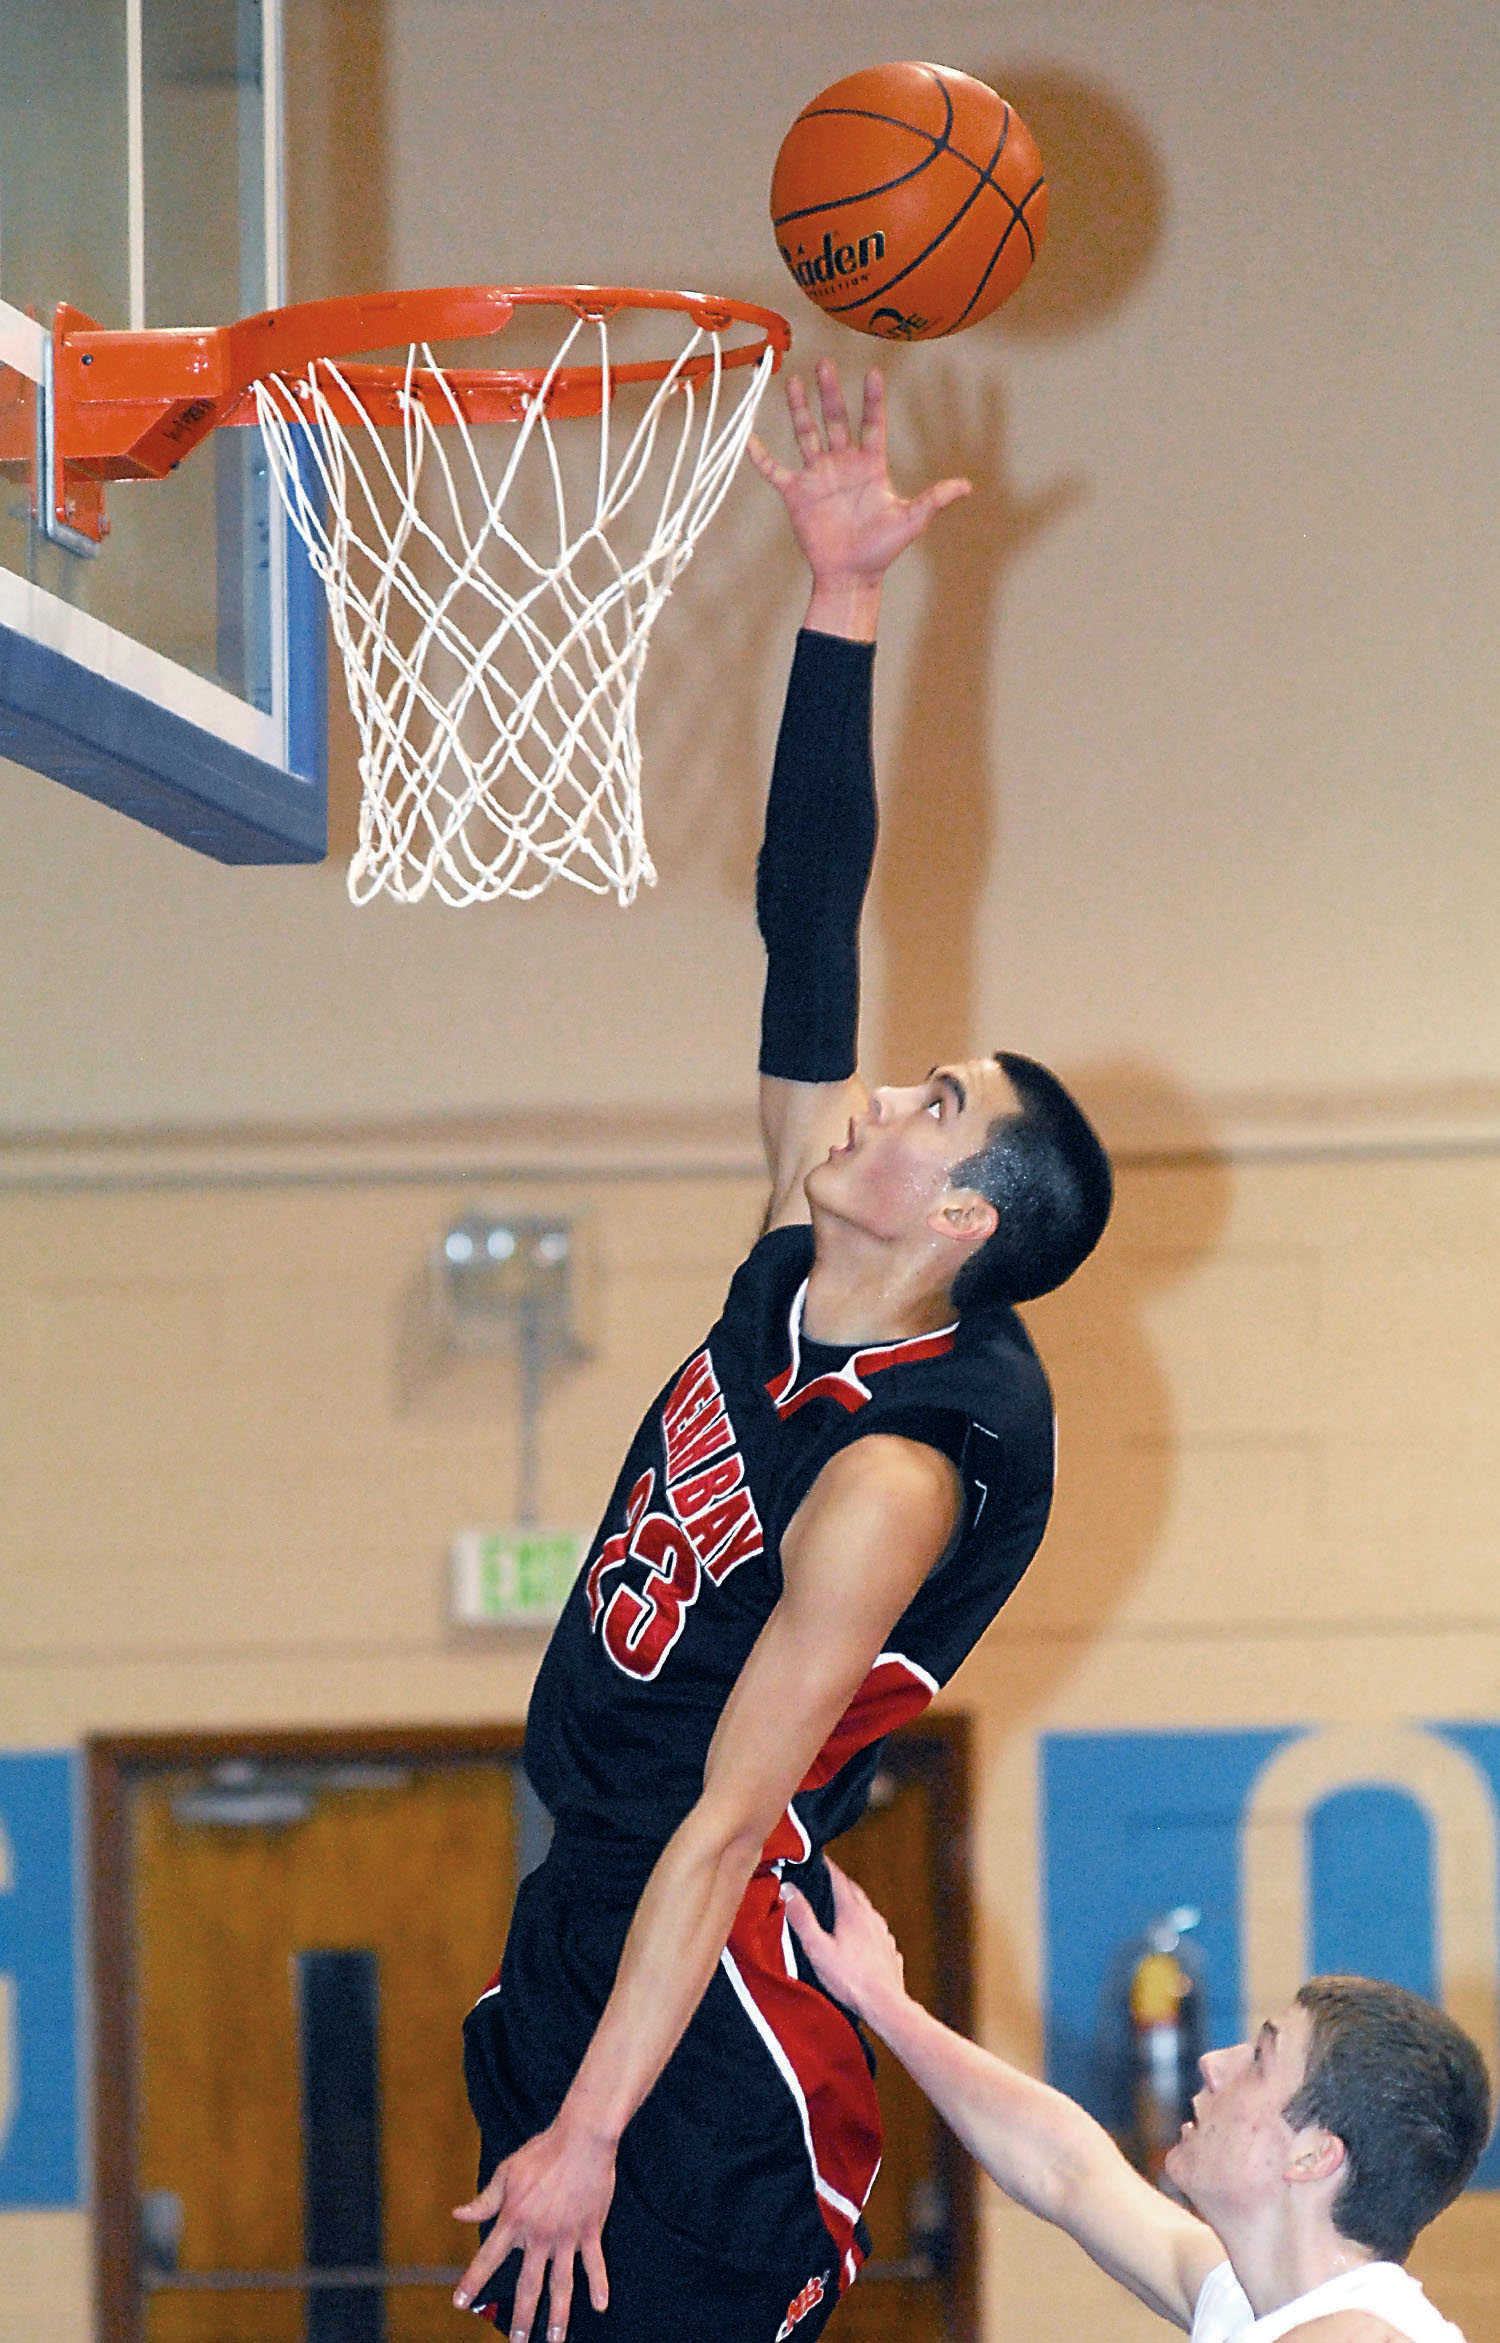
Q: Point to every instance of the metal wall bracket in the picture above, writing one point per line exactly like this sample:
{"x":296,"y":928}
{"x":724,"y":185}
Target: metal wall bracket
{"x":69,"y":509}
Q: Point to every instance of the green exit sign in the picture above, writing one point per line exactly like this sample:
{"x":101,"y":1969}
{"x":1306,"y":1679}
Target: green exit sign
{"x":513,"y":1577}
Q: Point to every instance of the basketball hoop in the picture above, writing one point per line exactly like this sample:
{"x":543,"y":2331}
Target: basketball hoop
{"x":493,"y":685}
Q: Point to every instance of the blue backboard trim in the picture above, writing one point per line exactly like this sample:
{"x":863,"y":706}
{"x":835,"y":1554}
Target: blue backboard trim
{"x":125,"y":751}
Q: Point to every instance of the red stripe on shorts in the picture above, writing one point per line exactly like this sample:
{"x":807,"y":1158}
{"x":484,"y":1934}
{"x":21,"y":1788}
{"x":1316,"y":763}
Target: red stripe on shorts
{"x":821,"y":2060}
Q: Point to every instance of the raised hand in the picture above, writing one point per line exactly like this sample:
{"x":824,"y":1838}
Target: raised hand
{"x":859,"y":1961}
{"x":549,"y":2199}
{"x":847,"y":516}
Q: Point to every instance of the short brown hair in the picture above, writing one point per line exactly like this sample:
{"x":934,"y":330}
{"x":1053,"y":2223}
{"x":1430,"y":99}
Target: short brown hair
{"x":1406,"y":2091}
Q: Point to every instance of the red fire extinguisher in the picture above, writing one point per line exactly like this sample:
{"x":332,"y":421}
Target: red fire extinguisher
{"x":1165,"y":1999}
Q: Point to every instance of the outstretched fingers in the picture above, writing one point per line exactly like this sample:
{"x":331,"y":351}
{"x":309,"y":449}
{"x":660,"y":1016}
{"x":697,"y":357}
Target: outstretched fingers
{"x":484,"y":2264}
{"x":534,"y":2271}
{"x":826,"y":430}
{"x":872,"y":415}
{"x":848,"y":517}
{"x":770,"y":467}
{"x":592,"y":2251}
{"x":831,"y":401}
{"x":552,"y":2268}
{"x":805,"y":428}
{"x":934,"y":499}
{"x":502,"y":2241}
{"x":549,"y":2202}
{"x":487,"y":2203}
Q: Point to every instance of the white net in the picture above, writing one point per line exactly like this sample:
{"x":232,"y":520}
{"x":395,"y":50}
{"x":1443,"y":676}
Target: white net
{"x":494,"y":686}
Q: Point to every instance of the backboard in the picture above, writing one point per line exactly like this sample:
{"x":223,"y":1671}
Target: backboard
{"x":176,"y":671}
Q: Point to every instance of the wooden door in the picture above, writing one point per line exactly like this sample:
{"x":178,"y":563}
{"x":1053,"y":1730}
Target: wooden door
{"x":909,"y":1855}
{"x":198,"y":1930}
{"x":416,"y":1868}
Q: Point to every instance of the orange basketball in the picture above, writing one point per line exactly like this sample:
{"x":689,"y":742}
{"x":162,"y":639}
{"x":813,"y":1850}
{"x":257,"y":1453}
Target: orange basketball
{"x":908,"y":201}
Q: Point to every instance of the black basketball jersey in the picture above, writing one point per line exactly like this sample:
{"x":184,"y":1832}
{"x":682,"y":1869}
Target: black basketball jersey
{"x":685,"y":1568}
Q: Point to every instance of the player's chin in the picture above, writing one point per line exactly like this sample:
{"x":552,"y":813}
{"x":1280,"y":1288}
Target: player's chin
{"x":823,"y":1184}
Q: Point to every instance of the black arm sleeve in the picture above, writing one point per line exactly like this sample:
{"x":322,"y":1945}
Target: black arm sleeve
{"x":815,"y":862}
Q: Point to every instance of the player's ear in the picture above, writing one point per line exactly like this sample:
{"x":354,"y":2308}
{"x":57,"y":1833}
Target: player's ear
{"x":965,"y":1215}
{"x":1316,"y":2155}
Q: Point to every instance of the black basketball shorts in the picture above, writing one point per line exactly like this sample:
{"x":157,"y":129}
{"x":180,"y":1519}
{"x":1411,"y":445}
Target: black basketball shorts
{"x":741,"y":2180}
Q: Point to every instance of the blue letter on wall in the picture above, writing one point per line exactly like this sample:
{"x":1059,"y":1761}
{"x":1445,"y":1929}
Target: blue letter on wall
{"x":38,"y":2050}
{"x":1133,"y":1824}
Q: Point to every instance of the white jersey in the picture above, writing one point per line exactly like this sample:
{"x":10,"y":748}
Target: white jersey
{"x":1223,"y":2313}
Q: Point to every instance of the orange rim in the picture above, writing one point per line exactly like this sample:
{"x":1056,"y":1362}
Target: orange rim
{"x":284,"y":342}
{"x":131,"y":405}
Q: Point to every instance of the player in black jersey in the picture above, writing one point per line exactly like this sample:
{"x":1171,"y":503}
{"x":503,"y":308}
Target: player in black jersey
{"x":820,"y":1514}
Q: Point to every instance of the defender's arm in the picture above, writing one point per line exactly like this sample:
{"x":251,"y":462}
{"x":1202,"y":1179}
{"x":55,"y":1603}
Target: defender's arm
{"x":1043,"y":2149}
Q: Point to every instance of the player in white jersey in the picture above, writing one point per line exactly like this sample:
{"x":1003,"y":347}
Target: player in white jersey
{"x":1377,"y":2299}
{"x":1315,"y":2153}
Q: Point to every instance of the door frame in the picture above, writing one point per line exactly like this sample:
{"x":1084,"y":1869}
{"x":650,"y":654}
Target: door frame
{"x":937,"y":1748}
{"x":936,"y":1745}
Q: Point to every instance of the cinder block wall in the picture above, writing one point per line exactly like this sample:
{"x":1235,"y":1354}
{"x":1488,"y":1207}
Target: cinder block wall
{"x":1187,"y":728}
{"x":230,"y":1474}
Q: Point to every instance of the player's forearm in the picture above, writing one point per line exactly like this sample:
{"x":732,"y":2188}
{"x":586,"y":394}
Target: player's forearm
{"x":1036,"y":2144}
{"x":815,"y":862}
{"x":681,"y":1926}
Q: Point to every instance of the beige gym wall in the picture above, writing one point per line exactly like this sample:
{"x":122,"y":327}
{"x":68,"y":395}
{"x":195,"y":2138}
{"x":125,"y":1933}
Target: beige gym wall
{"x":1194,"y":709}
{"x":234,"y":1466}
{"x":1196,"y":723}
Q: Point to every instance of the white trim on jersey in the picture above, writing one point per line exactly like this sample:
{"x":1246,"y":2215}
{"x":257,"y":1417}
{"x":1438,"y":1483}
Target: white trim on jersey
{"x":800,"y":1827}
{"x":900,"y":1659}
{"x":885,"y":1354}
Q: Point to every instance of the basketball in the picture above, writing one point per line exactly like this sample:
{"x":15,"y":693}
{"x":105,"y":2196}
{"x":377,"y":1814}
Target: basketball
{"x":908,"y":201}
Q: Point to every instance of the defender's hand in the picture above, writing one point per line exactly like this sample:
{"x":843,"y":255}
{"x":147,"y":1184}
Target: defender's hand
{"x":848,"y":519}
{"x":859,"y":1963}
{"x":549,"y":2199}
